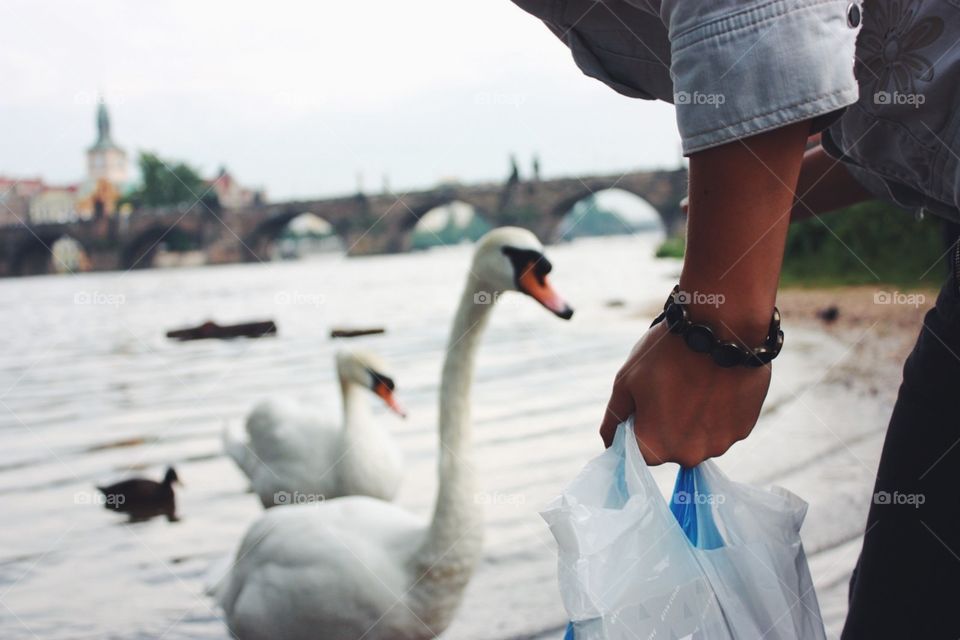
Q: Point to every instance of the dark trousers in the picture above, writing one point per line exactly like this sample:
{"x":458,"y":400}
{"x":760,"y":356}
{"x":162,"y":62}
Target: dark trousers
{"x":907,"y":581}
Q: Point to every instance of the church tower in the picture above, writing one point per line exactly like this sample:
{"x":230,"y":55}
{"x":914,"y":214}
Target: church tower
{"x":105,"y":160}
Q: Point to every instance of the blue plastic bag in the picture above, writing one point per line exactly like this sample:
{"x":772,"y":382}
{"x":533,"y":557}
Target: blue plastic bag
{"x":723,"y":561}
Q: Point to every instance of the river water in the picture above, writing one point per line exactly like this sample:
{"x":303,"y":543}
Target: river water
{"x":91,"y":391}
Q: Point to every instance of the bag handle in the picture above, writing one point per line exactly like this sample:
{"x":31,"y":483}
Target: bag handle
{"x":691,"y":500}
{"x":690,"y":505}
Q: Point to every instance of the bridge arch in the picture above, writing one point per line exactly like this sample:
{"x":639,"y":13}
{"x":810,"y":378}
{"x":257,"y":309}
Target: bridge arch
{"x":662,"y":190}
{"x":439,"y":206}
{"x":141,"y":251}
{"x":48,"y":251}
{"x":449,"y":223}
{"x":261,"y":241}
{"x":602,"y":212}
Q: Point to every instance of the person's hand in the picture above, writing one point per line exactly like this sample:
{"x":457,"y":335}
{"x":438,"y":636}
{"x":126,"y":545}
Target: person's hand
{"x":686,"y":408}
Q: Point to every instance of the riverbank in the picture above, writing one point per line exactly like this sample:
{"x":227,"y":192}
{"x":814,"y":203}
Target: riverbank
{"x":879,"y":323}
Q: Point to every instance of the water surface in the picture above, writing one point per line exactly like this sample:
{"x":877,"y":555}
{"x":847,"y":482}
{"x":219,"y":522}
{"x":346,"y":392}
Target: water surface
{"x":91,"y":391}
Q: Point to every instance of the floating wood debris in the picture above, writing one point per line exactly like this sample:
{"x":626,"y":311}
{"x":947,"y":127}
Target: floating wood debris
{"x":354,"y":333}
{"x":135,"y":441}
{"x":212,"y":330}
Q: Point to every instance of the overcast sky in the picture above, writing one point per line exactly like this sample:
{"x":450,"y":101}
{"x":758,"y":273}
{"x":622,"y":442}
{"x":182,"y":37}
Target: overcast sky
{"x":302,"y":97}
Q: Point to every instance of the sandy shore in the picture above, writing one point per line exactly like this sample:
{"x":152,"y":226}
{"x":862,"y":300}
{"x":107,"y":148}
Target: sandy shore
{"x":879,"y":324}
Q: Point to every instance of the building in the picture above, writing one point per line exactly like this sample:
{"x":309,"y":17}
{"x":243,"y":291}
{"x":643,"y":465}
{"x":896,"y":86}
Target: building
{"x":107,"y":173}
{"x":54,"y":205}
{"x":99,"y":194}
{"x":230,"y":193}
{"x":15,"y":197}
{"x":32,"y":200}
{"x":105,"y":159}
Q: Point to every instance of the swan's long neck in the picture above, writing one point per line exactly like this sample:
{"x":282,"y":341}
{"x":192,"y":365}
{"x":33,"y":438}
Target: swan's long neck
{"x":453,"y":542}
{"x":359,"y":457}
{"x":356,"y":407}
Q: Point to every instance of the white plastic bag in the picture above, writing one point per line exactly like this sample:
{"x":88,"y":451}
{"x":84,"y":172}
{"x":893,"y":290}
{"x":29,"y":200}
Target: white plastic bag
{"x":629,"y":571}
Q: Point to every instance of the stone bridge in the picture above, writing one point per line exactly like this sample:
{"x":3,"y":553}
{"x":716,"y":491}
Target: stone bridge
{"x":367,"y":223}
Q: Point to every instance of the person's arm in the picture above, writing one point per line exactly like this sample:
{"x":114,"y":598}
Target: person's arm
{"x":686,"y":407}
{"x":825,"y":185}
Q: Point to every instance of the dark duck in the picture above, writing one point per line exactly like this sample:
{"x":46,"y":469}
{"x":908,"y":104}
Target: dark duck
{"x":143,"y":499}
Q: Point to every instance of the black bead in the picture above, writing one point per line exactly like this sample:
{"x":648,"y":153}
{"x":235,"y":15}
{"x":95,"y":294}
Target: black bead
{"x":675,"y":316}
{"x":761,"y":356}
{"x":853,"y":15}
{"x":699,"y":338}
{"x":779,"y":343}
{"x":728,"y":354}
{"x":670,"y":300}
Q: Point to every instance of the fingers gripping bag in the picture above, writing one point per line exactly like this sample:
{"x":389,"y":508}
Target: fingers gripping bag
{"x":723,"y":561}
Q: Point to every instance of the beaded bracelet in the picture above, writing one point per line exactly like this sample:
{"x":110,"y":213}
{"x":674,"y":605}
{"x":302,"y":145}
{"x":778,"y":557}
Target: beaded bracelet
{"x":700,"y":337}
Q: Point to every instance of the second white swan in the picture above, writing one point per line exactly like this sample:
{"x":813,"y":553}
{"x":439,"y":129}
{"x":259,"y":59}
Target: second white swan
{"x":297,"y":452}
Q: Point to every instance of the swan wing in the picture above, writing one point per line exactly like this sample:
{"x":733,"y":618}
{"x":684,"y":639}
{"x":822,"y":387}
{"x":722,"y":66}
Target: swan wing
{"x":239,"y":451}
{"x":293,"y":446}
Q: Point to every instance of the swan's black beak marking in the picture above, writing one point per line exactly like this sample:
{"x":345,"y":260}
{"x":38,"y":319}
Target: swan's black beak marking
{"x":384,"y":386}
{"x":530,"y":269}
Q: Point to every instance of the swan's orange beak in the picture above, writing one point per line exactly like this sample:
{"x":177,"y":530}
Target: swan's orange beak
{"x":386,"y":394}
{"x":540,"y":290}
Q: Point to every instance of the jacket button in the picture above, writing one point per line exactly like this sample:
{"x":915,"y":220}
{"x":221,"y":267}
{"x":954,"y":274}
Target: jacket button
{"x":853,"y":15}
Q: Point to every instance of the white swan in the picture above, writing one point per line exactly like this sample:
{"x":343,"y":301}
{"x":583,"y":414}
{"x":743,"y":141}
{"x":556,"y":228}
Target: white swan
{"x":362,"y":568}
{"x":298,"y":452}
